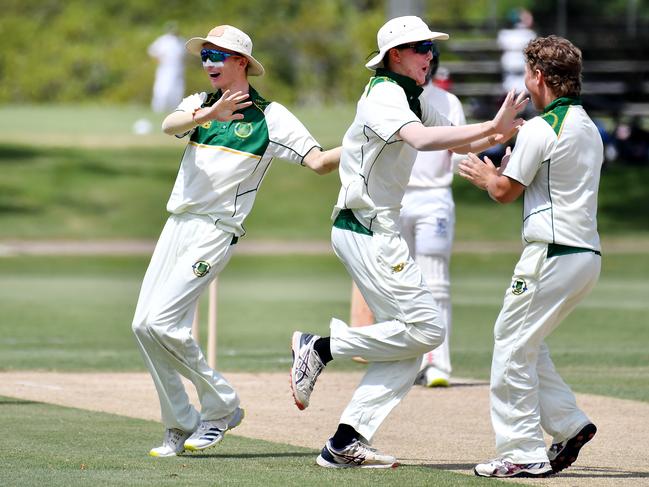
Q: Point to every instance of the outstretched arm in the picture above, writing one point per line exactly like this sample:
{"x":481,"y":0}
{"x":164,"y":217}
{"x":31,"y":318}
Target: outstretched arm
{"x":323,"y":162}
{"x":223,"y":110}
{"x":459,"y":138}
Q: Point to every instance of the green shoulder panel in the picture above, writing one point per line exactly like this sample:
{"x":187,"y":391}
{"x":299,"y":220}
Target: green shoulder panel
{"x":248,"y":135}
{"x":375,"y":80}
{"x":556,"y":117}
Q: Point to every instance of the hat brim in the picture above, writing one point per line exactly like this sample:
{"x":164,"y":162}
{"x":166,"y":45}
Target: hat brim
{"x":416,"y":36}
{"x":195,"y":44}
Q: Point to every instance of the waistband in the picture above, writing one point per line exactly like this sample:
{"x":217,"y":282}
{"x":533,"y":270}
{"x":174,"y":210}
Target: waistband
{"x":555,"y":250}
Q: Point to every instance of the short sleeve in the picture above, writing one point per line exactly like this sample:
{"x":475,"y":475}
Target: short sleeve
{"x":288,"y":138}
{"x":534,"y":145}
{"x":385,"y":109}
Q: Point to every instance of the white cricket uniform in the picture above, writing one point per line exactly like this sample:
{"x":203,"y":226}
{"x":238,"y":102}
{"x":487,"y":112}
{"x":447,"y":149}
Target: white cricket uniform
{"x":221,"y":170}
{"x":512,"y":61}
{"x":558,"y":157}
{"x":374,"y":170}
{"x":169,"y":84}
{"x":427,"y":219}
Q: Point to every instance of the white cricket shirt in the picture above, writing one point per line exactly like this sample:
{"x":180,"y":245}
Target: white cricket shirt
{"x":434,"y":169}
{"x":224,"y":163}
{"x":558,"y":157}
{"x":376,"y":163}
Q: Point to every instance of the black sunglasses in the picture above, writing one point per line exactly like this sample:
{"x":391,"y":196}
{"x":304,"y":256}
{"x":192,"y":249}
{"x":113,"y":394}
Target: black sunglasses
{"x":421,"y":47}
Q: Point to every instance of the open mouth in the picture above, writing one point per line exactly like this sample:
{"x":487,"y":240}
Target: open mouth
{"x":214,"y":75}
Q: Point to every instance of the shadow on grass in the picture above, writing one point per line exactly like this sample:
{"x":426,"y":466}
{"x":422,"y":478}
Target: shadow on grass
{"x":575,"y":473}
{"x":250,"y":455}
{"x":17,"y":402}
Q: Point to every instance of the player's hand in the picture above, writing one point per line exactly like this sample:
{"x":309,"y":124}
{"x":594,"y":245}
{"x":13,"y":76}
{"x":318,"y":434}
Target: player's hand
{"x":477,"y":172}
{"x":223,"y":110}
{"x":505,"y":121}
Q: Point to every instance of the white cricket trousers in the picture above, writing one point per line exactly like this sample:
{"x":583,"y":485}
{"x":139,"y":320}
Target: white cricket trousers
{"x":164,"y":315}
{"x":406,"y":327}
{"x":427,"y":224}
{"x":527,"y":394}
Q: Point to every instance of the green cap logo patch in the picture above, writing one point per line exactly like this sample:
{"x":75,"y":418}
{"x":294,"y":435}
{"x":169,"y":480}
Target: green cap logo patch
{"x":519,"y":286}
{"x":201,"y":268}
{"x":243,"y":130}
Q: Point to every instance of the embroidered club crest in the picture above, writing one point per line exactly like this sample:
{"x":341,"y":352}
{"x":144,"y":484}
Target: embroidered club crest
{"x":519,"y":286}
{"x":243,"y":130}
{"x":201,"y":268}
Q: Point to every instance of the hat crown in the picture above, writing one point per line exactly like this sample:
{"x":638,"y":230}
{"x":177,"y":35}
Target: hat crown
{"x":232,"y":38}
{"x":399,"y":27}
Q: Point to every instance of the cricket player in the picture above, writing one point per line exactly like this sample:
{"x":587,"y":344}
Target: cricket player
{"x":427,"y":224}
{"x":379,"y":150}
{"x":234,"y":134}
{"x":556,"y":164}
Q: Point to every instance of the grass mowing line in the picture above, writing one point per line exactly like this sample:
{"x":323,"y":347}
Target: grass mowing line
{"x":59,"y":446}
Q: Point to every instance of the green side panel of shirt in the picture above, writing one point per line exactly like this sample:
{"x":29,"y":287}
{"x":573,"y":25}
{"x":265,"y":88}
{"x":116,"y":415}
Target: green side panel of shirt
{"x":376,"y":80}
{"x":346,"y":220}
{"x":247,"y":135}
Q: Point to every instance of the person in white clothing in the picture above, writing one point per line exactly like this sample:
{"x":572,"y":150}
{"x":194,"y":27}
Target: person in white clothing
{"x":512,"y":41}
{"x":556,"y":164}
{"x":169,"y":86}
{"x":427,"y":223}
{"x":234,"y":134}
{"x":379,"y":150}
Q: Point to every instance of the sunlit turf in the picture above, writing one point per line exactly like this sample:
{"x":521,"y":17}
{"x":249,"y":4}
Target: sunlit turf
{"x":69,"y":313}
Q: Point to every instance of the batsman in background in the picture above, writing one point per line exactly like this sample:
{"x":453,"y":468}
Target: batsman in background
{"x":427,"y":224}
{"x":556,"y":164}
{"x":379,"y":150}
{"x":234,"y":136}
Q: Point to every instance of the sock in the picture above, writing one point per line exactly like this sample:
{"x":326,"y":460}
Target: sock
{"x":344,"y":435}
{"x":323,"y":349}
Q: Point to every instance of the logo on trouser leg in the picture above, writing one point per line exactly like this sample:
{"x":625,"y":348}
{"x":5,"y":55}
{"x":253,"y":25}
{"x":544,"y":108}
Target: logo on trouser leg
{"x":201,"y":268}
{"x":519,"y":286}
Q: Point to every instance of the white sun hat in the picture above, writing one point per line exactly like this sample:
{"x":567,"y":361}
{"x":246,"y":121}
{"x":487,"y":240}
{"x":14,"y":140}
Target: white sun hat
{"x":231,"y":38}
{"x":398,"y":31}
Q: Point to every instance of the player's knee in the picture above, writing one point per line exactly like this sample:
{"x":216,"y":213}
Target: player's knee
{"x":430,"y":334}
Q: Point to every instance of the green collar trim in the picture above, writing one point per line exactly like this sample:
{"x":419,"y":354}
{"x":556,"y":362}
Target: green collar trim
{"x":408,"y":85}
{"x":563,"y":101}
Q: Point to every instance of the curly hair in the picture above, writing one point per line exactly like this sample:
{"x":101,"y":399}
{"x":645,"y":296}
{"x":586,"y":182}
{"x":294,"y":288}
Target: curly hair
{"x":560,"y":62}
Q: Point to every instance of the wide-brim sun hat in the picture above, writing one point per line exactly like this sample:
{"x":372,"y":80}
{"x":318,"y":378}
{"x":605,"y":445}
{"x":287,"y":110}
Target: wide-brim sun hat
{"x":228,"y":37}
{"x":398,"y":31}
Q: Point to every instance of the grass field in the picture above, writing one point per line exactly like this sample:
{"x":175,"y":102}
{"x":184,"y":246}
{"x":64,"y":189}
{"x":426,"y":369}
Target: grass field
{"x":86,"y":176}
{"x":74,"y":314}
{"x":63,"y":447}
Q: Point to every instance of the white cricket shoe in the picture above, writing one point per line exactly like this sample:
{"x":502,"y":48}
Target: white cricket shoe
{"x":356,"y":454}
{"x":209,"y":433}
{"x":503,"y":468}
{"x":306,"y":367}
{"x":172,"y":445}
{"x":434,"y":377}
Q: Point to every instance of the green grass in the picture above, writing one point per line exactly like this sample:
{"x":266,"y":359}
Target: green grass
{"x":56,"y":446}
{"x":85,"y":175}
{"x":69,"y":313}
